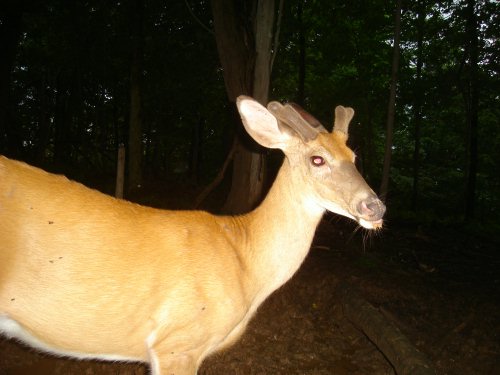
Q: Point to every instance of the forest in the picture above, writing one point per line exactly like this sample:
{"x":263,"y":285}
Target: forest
{"x":78,"y":79}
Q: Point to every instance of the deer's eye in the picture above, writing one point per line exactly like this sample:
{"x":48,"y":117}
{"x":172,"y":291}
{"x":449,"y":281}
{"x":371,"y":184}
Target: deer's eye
{"x":317,"y":161}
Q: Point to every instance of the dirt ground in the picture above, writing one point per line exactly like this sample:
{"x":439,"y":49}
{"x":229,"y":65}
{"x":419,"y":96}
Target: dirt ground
{"x":441,"y":288}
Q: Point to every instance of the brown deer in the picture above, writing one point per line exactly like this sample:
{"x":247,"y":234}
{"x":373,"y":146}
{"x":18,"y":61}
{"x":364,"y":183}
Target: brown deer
{"x":86,"y":275}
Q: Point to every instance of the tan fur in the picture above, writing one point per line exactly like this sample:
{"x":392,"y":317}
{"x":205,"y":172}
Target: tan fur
{"x":91,"y":276}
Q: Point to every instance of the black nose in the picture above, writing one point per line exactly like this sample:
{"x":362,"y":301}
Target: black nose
{"x":371,"y":208}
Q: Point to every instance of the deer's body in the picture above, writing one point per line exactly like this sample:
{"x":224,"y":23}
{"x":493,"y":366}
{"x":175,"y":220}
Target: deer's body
{"x":87,"y":275}
{"x":140,"y":256}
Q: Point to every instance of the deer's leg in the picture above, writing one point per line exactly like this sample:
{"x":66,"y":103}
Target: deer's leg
{"x":165,"y":361}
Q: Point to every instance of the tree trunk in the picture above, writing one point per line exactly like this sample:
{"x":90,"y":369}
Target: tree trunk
{"x":418,"y":105}
{"x":391,"y":108}
{"x":243,"y":32}
{"x":61,"y":122}
{"x":472,"y":110}
{"x":263,"y":30}
{"x":249,"y":165}
{"x":195,"y":151}
{"x":302,"y":55}
{"x":43,"y":133}
{"x":385,"y":335}
{"x":235,"y":44}
{"x":135,"y":120}
{"x":367,"y":146}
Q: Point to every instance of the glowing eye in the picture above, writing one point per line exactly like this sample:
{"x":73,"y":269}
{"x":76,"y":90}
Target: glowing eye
{"x":317,"y":161}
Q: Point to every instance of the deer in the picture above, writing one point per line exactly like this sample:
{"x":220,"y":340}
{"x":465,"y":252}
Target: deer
{"x":90,"y":276}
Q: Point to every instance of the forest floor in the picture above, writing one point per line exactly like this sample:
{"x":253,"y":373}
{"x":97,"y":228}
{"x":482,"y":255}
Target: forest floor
{"x":441,"y":288}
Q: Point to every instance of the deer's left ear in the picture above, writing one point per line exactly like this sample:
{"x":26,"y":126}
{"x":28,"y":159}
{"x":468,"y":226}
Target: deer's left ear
{"x":261,"y":124}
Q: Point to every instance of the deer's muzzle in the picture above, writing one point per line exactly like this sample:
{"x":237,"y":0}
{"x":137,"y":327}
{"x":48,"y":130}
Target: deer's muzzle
{"x":370,"y":211}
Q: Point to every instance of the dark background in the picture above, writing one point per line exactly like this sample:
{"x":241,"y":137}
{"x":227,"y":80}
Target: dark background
{"x":65,"y":92}
{"x":68,"y":71}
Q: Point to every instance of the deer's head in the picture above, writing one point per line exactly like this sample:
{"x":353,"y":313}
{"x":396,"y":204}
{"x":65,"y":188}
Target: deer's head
{"x":321,"y":161}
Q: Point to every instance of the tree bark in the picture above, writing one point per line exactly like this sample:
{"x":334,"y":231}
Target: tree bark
{"x":249,"y":165}
{"x":391,"y":107}
{"x":367,"y":147}
{"x":135,"y":120}
{"x":302,"y":54}
{"x":120,"y":172}
{"x":244,"y":32}
{"x":43,"y":133}
{"x":235,"y":44}
{"x":263,"y":30}
{"x":62,"y":152}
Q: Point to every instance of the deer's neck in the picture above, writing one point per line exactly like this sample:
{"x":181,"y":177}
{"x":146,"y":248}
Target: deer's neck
{"x":280,"y":232}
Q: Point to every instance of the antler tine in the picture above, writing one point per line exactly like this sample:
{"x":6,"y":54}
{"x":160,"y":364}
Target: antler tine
{"x":343,"y":116}
{"x":295,"y":117}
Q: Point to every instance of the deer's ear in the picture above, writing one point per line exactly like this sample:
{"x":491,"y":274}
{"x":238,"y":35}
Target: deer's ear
{"x":261,"y":124}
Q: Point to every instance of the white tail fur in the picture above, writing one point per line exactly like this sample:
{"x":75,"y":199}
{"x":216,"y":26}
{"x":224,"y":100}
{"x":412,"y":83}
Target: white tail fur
{"x":86,"y":275}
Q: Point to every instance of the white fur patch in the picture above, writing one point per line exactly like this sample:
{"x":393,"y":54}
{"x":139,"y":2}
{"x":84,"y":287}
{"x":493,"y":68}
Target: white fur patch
{"x":153,"y":358}
{"x":12,"y":329}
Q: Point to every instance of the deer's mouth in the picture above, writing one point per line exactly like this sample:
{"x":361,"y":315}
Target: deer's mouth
{"x":371,"y":211}
{"x":371,"y":224}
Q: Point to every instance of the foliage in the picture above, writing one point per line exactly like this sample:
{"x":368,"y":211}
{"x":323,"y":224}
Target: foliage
{"x":69,"y":91}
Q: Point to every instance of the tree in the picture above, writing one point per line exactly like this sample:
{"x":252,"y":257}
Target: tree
{"x":391,"y":107}
{"x":244,"y":36}
{"x":302,"y":54}
{"x":471,"y":96}
{"x":67,"y":79}
{"x":135,"y":120}
{"x":418,"y":95}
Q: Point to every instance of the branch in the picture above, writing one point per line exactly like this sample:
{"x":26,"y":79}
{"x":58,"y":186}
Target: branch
{"x":276,"y":35}
{"x":388,"y":339}
{"x":217,"y":180}
{"x":197,"y":19}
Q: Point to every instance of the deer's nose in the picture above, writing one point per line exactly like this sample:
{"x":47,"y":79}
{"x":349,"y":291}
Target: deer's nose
{"x":371,"y":209}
